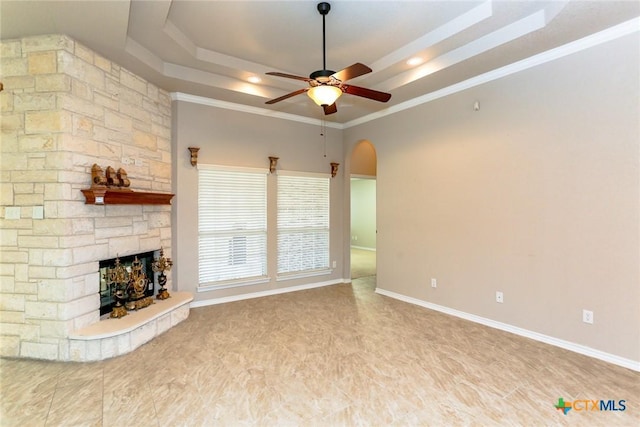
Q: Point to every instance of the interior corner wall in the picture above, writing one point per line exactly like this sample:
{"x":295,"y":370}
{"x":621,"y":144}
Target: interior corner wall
{"x":536,"y":195}
{"x":234,"y":138}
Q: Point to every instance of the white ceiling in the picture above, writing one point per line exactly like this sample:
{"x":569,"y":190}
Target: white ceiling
{"x":211,"y":48}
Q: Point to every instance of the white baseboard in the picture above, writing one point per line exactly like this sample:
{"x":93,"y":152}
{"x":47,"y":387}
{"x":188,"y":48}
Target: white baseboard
{"x":222,"y":300}
{"x":567,"y":345}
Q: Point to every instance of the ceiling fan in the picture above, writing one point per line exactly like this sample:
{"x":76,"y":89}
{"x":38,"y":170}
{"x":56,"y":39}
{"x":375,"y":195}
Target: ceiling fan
{"x":325,"y":86}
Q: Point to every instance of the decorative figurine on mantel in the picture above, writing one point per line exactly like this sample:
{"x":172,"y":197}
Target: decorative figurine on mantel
{"x":110,"y":178}
{"x":123,"y":181}
{"x":161,"y":265}
{"x":98,"y":180}
{"x":118,"y":277}
{"x":110,"y":175}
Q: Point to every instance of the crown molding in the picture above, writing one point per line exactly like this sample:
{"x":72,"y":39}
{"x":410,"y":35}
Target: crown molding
{"x":613,"y":33}
{"x":194,"y":99}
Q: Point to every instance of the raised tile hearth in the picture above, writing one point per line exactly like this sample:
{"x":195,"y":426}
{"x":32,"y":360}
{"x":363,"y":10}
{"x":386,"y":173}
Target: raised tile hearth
{"x":115,"y":337}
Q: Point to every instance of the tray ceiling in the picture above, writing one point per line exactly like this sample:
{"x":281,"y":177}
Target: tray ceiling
{"x":211,"y":48}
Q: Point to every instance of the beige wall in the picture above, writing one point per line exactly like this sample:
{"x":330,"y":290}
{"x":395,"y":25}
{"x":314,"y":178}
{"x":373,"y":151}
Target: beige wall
{"x":64,"y":107}
{"x":535,"y":195}
{"x":234,"y":138}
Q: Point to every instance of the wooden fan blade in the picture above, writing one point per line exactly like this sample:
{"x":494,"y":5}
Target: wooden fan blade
{"x":288,"y":76}
{"x":330,"y":109}
{"x":352,"y":72}
{"x":289,"y":95}
{"x":366,"y":93}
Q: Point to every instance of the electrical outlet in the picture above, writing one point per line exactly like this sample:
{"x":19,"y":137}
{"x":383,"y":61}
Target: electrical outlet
{"x":126,"y":160}
{"x":587,"y":316}
{"x":499,"y":297}
{"x":434,"y":283}
{"x":334,"y":264}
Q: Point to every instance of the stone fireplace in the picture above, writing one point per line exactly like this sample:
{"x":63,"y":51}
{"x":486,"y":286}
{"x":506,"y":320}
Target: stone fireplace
{"x":64,"y":108}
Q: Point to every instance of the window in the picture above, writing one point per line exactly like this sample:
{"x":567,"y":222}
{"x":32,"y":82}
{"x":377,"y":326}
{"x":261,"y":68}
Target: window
{"x":232,"y":225}
{"x":303,"y":223}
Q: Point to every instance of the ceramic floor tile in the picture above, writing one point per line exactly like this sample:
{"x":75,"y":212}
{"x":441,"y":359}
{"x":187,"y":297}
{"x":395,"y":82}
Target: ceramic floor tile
{"x":340,"y":355}
{"x":77,"y":404}
{"x":26,"y":391}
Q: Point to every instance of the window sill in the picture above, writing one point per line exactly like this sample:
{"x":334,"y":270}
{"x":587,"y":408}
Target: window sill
{"x":233,"y":284}
{"x":303,"y":274}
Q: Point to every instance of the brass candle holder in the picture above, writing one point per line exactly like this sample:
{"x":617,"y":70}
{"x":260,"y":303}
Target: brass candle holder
{"x":161,"y":265}
{"x":118,"y":277}
{"x":137,"y":288}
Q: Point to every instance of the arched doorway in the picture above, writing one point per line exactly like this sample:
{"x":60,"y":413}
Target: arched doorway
{"x":363,"y":210}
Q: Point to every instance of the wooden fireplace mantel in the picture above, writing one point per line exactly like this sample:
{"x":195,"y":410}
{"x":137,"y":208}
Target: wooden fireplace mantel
{"x":108,"y":196}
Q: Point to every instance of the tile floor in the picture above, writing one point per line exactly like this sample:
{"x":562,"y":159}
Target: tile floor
{"x":363,"y":263}
{"x":334,"y":356}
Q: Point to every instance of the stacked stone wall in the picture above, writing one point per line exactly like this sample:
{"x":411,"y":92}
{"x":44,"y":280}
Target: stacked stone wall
{"x":64,"y":108}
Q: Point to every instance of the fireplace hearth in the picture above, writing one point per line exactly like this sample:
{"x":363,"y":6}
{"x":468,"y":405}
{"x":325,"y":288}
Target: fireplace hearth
{"x":148,"y":311}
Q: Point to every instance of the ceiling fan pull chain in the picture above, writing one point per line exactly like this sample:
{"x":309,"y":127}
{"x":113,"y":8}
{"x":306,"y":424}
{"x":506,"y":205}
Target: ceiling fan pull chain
{"x":323,"y":134}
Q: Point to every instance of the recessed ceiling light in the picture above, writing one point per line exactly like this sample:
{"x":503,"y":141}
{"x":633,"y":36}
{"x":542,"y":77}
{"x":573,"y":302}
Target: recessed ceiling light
{"x":414,"y":61}
{"x":254,"y":79}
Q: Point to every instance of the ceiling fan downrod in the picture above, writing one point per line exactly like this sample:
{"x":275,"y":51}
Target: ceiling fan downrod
{"x":323,"y":75}
{"x":324,"y":9}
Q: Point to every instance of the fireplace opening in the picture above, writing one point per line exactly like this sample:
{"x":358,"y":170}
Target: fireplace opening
{"x":108,"y":288}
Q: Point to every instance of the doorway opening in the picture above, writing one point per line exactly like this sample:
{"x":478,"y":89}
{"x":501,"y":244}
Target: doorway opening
{"x":363,"y":210}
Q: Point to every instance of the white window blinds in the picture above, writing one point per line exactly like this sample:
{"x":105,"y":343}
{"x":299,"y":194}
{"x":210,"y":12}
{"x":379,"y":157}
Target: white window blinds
{"x":232,"y":224}
{"x":303,"y":223}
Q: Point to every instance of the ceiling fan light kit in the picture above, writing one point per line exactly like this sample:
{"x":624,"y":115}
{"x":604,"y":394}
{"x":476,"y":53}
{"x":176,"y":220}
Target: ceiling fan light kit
{"x":324,"y":95}
{"x":326,"y":86}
